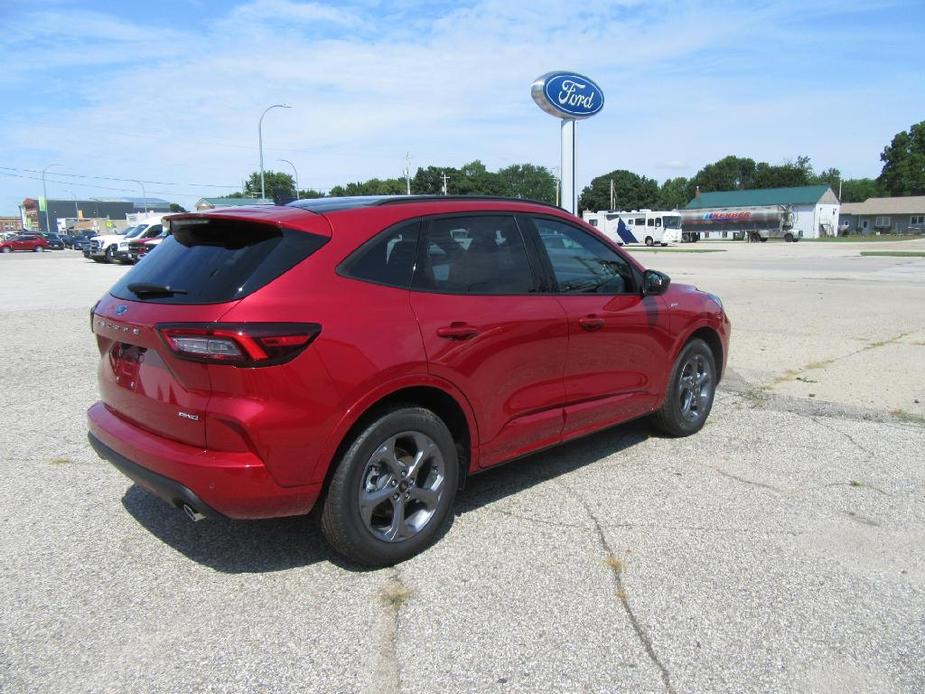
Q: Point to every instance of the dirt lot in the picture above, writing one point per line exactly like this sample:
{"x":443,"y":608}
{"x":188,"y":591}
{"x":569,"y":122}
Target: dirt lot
{"x":780,"y":548}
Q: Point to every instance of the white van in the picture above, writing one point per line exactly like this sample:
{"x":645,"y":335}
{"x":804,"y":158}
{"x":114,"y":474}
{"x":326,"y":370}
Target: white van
{"x":649,"y":227}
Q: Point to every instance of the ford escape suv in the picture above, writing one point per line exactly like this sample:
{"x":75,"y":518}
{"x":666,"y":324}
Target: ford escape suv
{"x":365,"y":355}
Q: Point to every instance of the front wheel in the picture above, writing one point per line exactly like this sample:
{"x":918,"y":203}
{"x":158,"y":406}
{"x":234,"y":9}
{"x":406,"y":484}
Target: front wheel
{"x":788,"y":238}
{"x":6,"y":249}
{"x":649,"y":241}
{"x":690,"y":391}
{"x":110,"y":255}
{"x":393,"y":489}
{"x":38,"y":249}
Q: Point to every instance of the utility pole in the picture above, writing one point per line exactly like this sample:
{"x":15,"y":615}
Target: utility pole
{"x":839,"y":189}
{"x":445,"y":179}
{"x":612,"y":208}
{"x":408,"y":173}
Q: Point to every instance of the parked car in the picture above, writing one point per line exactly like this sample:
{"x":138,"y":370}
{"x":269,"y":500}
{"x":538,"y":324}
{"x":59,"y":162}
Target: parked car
{"x":24,"y":242}
{"x":369,"y":354}
{"x":55,"y":242}
{"x":144,"y":231}
{"x":138,"y":249}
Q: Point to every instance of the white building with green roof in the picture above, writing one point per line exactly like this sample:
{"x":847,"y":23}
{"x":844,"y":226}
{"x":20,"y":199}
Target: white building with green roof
{"x":814,"y":208}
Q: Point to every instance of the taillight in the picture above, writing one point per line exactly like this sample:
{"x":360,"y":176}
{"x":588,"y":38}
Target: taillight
{"x":238,"y":344}
{"x":92,"y":312}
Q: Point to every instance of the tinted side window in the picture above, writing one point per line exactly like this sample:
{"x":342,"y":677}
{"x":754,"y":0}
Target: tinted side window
{"x":581,"y":263}
{"x":474,"y":255}
{"x":388,"y":258}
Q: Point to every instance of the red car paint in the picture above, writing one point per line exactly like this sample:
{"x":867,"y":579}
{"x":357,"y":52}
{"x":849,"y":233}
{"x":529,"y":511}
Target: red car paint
{"x":24,"y":242}
{"x":250,"y":441}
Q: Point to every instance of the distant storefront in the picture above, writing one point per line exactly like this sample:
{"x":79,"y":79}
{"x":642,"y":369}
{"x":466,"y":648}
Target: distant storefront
{"x":903,"y":215}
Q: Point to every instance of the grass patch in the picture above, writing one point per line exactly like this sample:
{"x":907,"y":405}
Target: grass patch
{"x":895,"y":254}
{"x":907,"y":417}
{"x":395,"y":594}
{"x":677,"y":250}
{"x":866,"y":238}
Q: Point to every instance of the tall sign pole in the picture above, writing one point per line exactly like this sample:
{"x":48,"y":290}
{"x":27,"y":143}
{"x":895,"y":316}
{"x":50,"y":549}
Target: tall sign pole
{"x":570,"y":97}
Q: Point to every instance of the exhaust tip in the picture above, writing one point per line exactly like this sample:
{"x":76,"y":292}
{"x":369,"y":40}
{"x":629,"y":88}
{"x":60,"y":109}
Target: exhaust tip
{"x":192,"y":513}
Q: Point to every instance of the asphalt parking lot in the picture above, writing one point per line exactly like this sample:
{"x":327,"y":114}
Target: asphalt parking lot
{"x":783,"y":547}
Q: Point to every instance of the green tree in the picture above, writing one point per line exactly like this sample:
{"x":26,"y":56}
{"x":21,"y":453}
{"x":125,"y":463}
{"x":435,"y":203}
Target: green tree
{"x":729,"y":173}
{"x":475,"y":179}
{"x":429,"y":181}
{"x":310,"y":193}
{"x":904,"y":162}
{"x":176,"y":207}
{"x":275,"y":182}
{"x":631,"y":192}
{"x":859,"y":189}
{"x":673,"y":194}
{"x":527,"y":181}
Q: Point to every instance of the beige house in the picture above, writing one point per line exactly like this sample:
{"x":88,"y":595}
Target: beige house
{"x":905,"y":215}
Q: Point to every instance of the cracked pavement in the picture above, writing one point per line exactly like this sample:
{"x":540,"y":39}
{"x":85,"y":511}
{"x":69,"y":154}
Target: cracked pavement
{"x":780,"y":548}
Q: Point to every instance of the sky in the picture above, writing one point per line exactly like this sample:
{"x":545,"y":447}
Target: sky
{"x":170,"y":92}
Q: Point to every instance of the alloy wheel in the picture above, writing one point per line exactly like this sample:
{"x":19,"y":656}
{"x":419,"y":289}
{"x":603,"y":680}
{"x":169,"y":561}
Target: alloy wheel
{"x":401,"y":486}
{"x":695,"y":387}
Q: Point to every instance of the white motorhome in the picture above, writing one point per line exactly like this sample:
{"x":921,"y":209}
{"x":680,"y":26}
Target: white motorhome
{"x":651,"y":227}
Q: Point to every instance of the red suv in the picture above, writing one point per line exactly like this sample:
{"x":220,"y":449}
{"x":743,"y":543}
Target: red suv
{"x":368,"y":354}
{"x":24,"y":242}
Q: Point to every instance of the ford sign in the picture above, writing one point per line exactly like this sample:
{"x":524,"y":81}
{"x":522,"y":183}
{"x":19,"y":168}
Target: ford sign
{"x":567,"y":95}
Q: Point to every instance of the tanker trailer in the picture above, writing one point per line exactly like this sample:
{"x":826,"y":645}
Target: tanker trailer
{"x":751,"y":223}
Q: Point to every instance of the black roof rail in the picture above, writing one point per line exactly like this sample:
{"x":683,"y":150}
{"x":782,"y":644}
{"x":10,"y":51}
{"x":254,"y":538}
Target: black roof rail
{"x":397,"y":199}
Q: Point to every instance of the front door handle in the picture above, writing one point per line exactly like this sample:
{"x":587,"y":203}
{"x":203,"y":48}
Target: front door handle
{"x":457,"y":331}
{"x":591,"y":323}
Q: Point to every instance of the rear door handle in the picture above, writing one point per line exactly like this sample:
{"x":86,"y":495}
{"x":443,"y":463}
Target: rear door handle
{"x":591,"y":323}
{"x":457,"y":331}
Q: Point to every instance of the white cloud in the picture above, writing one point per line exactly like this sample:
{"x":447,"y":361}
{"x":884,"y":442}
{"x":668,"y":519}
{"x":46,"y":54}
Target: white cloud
{"x":685,"y":84}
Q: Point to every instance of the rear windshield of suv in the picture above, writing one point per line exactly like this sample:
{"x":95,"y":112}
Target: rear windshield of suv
{"x":208,"y":261}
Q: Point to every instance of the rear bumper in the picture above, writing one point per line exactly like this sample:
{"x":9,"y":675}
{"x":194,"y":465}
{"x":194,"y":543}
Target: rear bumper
{"x":215,"y":483}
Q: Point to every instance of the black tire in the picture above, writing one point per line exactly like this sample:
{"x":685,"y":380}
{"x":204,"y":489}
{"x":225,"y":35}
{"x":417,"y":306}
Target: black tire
{"x":764,"y":239}
{"x":671,"y":418}
{"x":109,"y":255}
{"x":6,"y":249}
{"x":341,"y":519}
{"x":788,"y":238}
{"x":649,"y":241}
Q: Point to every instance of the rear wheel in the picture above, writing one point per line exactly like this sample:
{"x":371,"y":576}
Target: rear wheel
{"x":690,"y":391}
{"x":788,"y":238}
{"x":649,"y":241}
{"x":38,"y":249}
{"x":393,"y":489}
{"x":7,"y":249}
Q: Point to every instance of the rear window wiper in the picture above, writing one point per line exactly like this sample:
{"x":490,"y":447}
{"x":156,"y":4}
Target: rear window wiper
{"x":143,"y":289}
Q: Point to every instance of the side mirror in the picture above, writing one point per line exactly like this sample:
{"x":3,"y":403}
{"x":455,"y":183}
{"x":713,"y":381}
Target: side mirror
{"x":654,"y":283}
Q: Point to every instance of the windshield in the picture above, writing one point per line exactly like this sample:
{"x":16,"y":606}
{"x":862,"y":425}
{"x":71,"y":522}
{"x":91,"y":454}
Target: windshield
{"x":134,"y":231}
{"x":672,"y":222}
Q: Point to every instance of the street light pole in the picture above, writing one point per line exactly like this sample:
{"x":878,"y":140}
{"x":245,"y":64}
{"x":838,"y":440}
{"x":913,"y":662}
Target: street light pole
{"x":263,"y":190}
{"x":296,"y":172}
{"x":45,"y":195}
{"x":144,"y":196}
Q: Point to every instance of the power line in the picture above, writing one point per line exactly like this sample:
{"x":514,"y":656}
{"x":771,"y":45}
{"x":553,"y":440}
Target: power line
{"x":126,"y":180}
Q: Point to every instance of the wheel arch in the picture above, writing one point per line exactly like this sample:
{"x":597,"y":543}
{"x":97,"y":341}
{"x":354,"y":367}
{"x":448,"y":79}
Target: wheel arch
{"x":433,"y":394}
{"x":711,"y":336}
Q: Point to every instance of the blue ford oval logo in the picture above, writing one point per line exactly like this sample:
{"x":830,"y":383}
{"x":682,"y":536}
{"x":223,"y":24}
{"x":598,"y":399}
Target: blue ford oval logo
{"x":120,"y":309}
{"x":567,"y":95}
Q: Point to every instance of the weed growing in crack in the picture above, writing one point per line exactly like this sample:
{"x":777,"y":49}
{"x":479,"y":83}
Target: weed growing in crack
{"x":615,"y":563}
{"x":395,"y":594}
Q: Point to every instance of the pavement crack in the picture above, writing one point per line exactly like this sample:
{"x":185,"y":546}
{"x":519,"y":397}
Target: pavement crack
{"x":616,"y":569}
{"x":387,"y":672}
{"x":844,"y":434}
{"x":745,"y":480}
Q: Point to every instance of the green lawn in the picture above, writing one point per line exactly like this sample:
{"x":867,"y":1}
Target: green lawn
{"x":870,"y":238}
{"x":675,"y":250}
{"x":896,"y":254}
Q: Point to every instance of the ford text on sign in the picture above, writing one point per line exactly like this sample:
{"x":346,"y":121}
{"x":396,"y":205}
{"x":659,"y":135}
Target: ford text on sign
{"x":567,"y":95}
